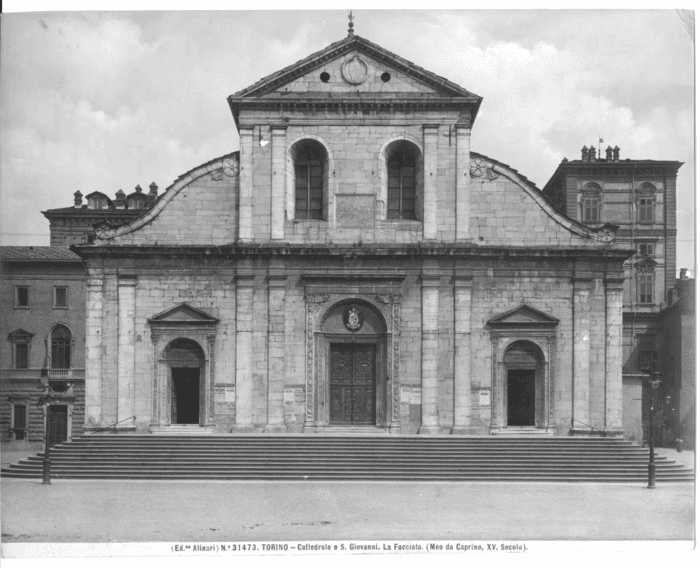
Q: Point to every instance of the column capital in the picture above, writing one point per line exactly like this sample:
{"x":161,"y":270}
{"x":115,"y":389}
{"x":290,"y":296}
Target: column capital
{"x":430,"y":280}
{"x":245,"y":280}
{"x":277,"y":280}
{"x":246,"y":129}
{"x":126,"y":279}
{"x":431,"y":129}
{"x":279,"y":129}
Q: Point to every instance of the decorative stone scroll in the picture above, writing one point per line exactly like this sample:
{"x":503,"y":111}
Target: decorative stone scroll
{"x":479,"y":168}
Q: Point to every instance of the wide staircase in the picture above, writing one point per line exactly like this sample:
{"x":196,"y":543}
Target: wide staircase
{"x":361,"y":458}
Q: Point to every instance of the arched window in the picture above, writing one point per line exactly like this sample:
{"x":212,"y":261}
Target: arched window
{"x":308,"y":176}
{"x":402,"y":185}
{"x":60,"y":347}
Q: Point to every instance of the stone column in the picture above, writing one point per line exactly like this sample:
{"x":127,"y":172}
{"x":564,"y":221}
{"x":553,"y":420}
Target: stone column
{"x":277,"y":200}
{"x":245,"y":206}
{"x":244,"y":352}
{"x":277,"y":282}
{"x":125,"y":366}
{"x":429,"y":355}
{"x":462,"y":182}
{"x":582,"y":354}
{"x":462,"y":354}
{"x":430,"y":184}
{"x":93,"y":350}
{"x":613,"y":355}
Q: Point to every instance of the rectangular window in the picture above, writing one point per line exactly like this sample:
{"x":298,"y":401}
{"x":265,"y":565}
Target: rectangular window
{"x":21,"y":356}
{"x":60,"y":297}
{"x":21,"y":296}
{"x":90,"y":239}
{"x":591,"y":210}
{"x":19,"y":421}
{"x":645,"y":249}
{"x":646,"y":210}
{"x":645,"y":288}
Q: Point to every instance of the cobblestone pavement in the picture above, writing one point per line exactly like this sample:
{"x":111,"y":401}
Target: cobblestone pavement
{"x":156,"y":511}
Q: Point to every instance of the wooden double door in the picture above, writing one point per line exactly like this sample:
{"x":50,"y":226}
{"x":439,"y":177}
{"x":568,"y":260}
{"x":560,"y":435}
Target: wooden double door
{"x":353,"y":391}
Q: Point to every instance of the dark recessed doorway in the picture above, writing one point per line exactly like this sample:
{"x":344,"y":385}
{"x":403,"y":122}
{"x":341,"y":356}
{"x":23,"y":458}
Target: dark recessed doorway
{"x":521,"y":397}
{"x":185,"y":404}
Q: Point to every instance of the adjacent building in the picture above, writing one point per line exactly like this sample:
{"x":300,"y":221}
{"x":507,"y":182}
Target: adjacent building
{"x":639,"y":196}
{"x":42,"y":354}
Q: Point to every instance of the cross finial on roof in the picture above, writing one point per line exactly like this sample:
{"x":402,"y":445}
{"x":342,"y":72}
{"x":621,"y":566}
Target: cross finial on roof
{"x":351,"y":25}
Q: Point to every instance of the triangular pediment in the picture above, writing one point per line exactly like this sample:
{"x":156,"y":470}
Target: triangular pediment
{"x":354,"y":65}
{"x":646,"y":262}
{"x":524,"y":315}
{"x":183,"y":314}
{"x":20,"y":335}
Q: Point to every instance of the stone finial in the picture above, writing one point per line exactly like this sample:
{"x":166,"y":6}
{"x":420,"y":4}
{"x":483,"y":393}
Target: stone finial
{"x":616,"y":154}
{"x":591,"y":154}
{"x":138,"y":189}
{"x":120,"y":200}
{"x":684,"y":274}
{"x":608,"y":153}
{"x":78,"y":199}
{"x":351,"y":33}
{"x":152,"y":194}
{"x":584,"y":154}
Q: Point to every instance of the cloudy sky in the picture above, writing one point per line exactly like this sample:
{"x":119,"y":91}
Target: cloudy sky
{"x":105,"y":101}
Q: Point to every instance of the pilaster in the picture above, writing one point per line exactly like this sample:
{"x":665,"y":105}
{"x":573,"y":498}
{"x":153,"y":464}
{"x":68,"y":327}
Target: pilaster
{"x":277,"y":283}
{"x":429,"y":353}
{"x":462,"y":182}
{"x":582,"y":354}
{"x":462,"y":353}
{"x":279,"y":146}
{"x":245,"y":283}
{"x":125,"y":365}
{"x":613,"y":354}
{"x":93,"y":350}
{"x":430,"y":188}
{"x":245,"y":207}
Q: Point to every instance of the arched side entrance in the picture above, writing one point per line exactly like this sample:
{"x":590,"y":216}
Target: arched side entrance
{"x":186,"y":369}
{"x":351,"y":349}
{"x":521,"y":383}
{"x":523,"y":363}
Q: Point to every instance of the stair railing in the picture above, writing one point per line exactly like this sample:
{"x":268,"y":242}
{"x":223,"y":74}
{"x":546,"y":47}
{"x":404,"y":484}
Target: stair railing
{"x":111,"y":426}
{"x":604,"y":434}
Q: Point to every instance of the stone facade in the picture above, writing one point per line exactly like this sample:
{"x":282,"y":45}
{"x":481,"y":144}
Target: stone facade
{"x":482,"y":310}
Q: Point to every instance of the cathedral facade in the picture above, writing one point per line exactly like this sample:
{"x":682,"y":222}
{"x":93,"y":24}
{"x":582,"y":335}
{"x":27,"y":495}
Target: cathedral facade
{"x":355,"y":266}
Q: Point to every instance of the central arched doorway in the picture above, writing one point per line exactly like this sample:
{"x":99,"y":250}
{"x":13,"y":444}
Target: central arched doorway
{"x":353,"y":379}
{"x":185,"y":359}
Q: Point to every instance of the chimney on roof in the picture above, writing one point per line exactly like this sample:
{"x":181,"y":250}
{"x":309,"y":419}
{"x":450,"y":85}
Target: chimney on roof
{"x":684,"y":274}
{"x":152,"y":194}
{"x":591,"y":154}
{"x":616,"y":154}
{"x":138,"y":189}
{"x":77,"y":199}
{"x":608,"y":154}
{"x":584,"y":154}
{"x":120,"y":201}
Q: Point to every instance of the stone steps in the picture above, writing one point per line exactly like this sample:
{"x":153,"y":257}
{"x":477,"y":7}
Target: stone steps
{"x":370,"y":458}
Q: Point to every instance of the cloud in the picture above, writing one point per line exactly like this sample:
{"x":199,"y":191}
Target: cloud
{"x":108,"y":100}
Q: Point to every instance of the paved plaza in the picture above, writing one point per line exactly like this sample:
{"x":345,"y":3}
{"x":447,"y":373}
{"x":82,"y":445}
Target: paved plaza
{"x":135,"y":511}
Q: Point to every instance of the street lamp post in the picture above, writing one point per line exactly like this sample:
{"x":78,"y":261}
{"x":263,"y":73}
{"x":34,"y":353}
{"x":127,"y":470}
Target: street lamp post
{"x":47,"y":444}
{"x":654,"y":384}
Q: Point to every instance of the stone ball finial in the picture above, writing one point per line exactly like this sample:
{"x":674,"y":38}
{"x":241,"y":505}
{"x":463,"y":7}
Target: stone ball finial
{"x":351,"y":25}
